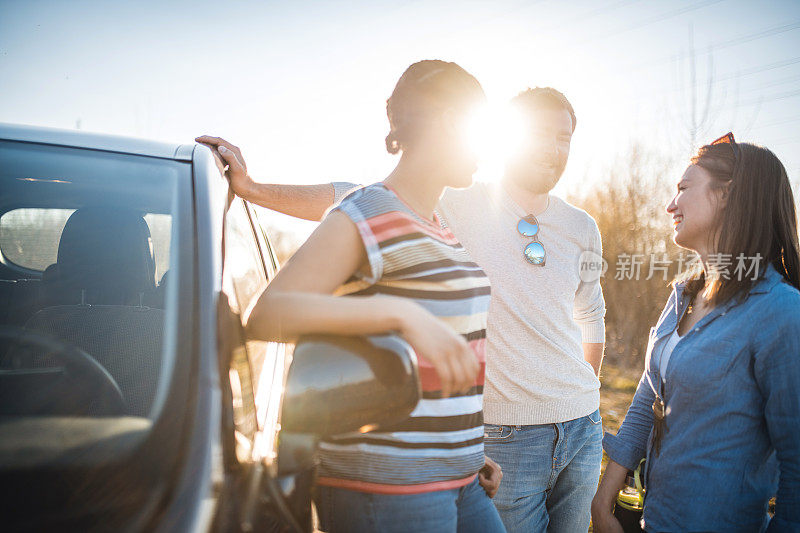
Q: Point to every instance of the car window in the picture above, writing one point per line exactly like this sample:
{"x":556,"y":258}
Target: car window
{"x":270,"y":259}
{"x":29,"y":236}
{"x":89,"y":328}
{"x":160,"y":225}
{"x":244,"y":274}
{"x":257,"y":367}
{"x":243,"y":280}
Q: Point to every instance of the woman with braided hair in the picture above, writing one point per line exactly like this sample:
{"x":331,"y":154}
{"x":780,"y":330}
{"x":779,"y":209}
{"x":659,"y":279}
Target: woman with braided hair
{"x":382,"y":261}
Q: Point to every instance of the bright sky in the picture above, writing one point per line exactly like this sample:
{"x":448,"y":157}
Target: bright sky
{"x":301,"y":86}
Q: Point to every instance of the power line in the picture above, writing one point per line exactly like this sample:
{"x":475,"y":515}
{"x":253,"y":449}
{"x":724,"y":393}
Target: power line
{"x":787,"y":141}
{"x":653,"y":20}
{"x":763,"y":68}
{"x":778,"y":122}
{"x":758,"y":35}
{"x":760,"y":88}
{"x":515,"y":10}
{"x":768,"y":32}
{"x":729,"y":76}
{"x":745,"y":72}
{"x":591,"y":14}
{"x":550,"y":28}
{"x":772,"y":98}
{"x":774,"y":83}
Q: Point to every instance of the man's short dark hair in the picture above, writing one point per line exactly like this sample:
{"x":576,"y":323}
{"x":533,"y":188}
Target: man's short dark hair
{"x":544,"y":98}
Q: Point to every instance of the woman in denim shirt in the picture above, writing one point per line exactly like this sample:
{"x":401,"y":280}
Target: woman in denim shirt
{"x":717,"y":411}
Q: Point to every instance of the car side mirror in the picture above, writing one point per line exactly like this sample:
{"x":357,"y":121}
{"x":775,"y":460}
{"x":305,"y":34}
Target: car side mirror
{"x":339,"y":384}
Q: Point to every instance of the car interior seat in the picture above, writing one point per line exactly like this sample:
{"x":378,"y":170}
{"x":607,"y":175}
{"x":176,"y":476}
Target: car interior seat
{"x":95,"y":298}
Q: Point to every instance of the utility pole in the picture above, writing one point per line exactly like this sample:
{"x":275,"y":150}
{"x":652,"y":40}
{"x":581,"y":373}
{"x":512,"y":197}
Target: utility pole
{"x":699,"y":112}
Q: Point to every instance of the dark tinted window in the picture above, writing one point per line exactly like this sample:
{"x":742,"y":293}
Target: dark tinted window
{"x":93,"y":233}
{"x":29,"y":236}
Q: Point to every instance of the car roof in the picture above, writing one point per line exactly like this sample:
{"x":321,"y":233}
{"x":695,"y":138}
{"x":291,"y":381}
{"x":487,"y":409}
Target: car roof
{"x":96,"y":141}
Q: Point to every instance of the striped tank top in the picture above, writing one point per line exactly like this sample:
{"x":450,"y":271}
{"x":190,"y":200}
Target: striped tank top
{"x":440,"y":445}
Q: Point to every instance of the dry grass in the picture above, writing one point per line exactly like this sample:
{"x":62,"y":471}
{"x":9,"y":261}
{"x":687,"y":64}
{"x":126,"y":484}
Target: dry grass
{"x":618,"y":386}
{"x":616,"y":393}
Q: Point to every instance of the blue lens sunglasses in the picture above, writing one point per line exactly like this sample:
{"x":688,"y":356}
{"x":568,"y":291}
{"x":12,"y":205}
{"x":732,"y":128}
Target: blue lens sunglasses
{"x":534,"y":253}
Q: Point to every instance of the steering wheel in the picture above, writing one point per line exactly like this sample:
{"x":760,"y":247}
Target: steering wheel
{"x":87,"y":383}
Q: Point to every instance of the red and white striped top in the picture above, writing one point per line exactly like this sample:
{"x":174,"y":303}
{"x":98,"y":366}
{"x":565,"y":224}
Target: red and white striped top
{"x":440,"y":445}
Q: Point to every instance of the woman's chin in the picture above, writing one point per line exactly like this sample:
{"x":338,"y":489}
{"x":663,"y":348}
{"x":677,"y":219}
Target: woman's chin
{"x":677,"y":238}
{"x":682,"y":242}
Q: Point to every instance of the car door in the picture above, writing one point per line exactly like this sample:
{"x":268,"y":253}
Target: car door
{"x":269,"y":361}
{"x":253,"y":376}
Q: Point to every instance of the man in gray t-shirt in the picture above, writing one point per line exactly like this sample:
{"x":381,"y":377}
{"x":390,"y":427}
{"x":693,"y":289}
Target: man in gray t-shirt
{"x":546,"y":320}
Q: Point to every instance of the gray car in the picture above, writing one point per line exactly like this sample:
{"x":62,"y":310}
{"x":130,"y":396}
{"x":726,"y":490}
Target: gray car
{"x":129,"y":397}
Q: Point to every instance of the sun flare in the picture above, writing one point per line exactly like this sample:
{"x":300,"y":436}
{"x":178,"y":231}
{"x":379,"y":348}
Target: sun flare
{"x":495,"y":132}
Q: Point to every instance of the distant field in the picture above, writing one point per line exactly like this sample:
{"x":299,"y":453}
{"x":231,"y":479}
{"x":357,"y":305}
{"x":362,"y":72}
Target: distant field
{"x":616,"y":394}
{"x":618,"y":385}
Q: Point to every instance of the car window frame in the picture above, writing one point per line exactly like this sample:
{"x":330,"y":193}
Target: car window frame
{"x":271,"y":394}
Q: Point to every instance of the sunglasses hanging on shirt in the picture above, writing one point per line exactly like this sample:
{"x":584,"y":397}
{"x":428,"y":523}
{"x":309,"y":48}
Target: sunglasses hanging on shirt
{"x":534,"y":253}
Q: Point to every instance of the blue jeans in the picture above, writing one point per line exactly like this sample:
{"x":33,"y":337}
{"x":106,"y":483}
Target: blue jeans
{"x":550,"y":473}
{"x":464,"y":510}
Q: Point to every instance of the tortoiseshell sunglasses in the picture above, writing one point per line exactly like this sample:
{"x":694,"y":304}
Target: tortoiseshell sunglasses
{"x":728,"y":139}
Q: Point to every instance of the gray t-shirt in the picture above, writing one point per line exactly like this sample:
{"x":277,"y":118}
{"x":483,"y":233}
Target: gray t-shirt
{"x":539,"y":315}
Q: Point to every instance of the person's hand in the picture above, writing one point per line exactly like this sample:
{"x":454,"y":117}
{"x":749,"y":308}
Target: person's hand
{"x":603,"y":519}
{"x":490,"y":476}
{"x":436,"y":342}
{"x":231,"y":156}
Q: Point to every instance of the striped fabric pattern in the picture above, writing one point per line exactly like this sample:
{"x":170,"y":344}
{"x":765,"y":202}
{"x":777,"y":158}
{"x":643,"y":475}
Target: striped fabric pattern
{"x":440,"y":446}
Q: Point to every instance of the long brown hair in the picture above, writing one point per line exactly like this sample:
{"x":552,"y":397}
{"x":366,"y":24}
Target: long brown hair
{"x":759,"y":218}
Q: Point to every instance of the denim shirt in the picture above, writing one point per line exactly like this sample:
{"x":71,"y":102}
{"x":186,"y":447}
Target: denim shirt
{"x":732,"y":397}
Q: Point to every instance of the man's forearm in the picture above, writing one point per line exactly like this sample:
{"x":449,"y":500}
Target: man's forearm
{"x":302,"y":201}
{"x":593,"y":353}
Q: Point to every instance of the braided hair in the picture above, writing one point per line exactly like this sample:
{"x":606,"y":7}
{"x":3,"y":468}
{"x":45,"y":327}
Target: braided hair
{"x":426,"y":88}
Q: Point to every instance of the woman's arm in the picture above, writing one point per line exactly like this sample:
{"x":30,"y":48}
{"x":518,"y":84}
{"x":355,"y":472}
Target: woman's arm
{"x":629,"y":445}
{"x":299,"y":301}
{"x":625,"y":450}
{"x":308,"y":202}
{"x":603,"y":519}
{"x":777,"y":372}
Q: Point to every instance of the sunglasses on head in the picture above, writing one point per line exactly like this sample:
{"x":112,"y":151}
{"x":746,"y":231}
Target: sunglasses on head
{"x":534,"y":253}
{"x":728,"y":139}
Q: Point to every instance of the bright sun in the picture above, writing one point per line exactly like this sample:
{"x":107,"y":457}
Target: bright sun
{"x":495,"y":132}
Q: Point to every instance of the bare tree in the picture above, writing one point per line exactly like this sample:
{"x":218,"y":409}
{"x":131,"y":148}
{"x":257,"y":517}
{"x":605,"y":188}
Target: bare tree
{"x":628,"y":203}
